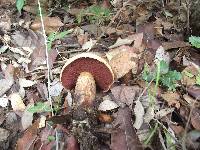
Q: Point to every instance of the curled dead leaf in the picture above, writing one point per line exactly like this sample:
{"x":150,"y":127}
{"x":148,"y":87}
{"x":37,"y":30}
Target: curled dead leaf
{"x":52,"y":24}
{"x":122,"y":60}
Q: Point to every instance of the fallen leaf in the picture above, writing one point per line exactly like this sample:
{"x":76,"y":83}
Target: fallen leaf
{"x":17,"y":102}
{"x":42,"y":122}
{"x":56,"y":88}
{"x":149,"y":115}
{"x":124,"y":61}
{"x":121,"y":42}
{"x":4,"y":134}
{"x":194,"y":91}
{"x":3,"y":101}
{"x":195,"y":118}
{"x":163,"y":112}
{"x":175,"y":44}
{"x":178,"y":130}
{"x":172,"y":98}
{"x":125,"y":94}
{"x":137,"y":38}
{"x":2,"y":115}
{"x":191,"y":101}
{"x":139,"y":114}
{"x":26,"y":83}
{"x":188,"y":75}
{"x":28,"y":138}
{"x":125,"y":136}
{"x":107,"y":104}
{"x":72,"y":143}
{"x":92,"y":29}
{"x":88,"y":45}
{"x":51,"y":24}
{"x":5,"y":84}
{"x":38,"y":57}
{"x":192,"y":138}
{"x":27,"y":118}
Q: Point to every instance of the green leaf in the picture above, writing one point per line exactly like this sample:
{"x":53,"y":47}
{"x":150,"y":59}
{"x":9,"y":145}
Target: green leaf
{"x":20,"y":5}
{"x":95,"y":14}
{"x":51,"y":138}
{"x":55,"y":35}
{"x":198,"y":79}
{"x":170,"y":79}
{"x":40,"y":107}
{"x":164,"y":67}
{"x":195,"y":41}
{"x":169,"y":141}
{"x":147,"y":75}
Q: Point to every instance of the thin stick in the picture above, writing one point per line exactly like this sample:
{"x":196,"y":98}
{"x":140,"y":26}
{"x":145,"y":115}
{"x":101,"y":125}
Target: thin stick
{"x":47,"y":59}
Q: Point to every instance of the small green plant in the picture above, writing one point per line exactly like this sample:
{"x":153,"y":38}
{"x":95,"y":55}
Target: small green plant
{"x":51,"y":138}
{"x":163,"y":75}
{"x":195,"y":41}
{"x":95,"y":14}
{"x":20,"y":5}
{"x":40,"y":107}
{"x":55,"y":36}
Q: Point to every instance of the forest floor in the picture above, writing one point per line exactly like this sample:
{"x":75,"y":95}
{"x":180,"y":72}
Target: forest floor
{"x":144,"y":62}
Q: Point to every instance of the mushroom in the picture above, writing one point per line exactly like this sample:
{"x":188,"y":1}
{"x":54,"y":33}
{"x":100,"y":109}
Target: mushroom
{"x":84,"y":71}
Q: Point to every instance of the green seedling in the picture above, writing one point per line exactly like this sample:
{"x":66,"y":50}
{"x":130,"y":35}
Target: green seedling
{"x":163,"y":75}
{"x":39,"y":108}
{"x":20,"y":5}
{"x":169,"y":141}
{"x":51,"y":138}
{"x":94,"y":14}
{"x":195,"y":41}
{"x":55,"y":36}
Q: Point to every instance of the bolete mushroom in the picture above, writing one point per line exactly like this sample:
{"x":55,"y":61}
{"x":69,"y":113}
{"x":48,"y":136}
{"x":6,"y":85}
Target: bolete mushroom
{"x":84,"y":71}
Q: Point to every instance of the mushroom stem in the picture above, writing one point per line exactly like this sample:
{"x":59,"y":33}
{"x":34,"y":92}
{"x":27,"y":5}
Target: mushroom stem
{"x":85,"y":89}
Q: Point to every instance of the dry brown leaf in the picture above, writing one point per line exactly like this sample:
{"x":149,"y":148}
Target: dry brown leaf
{"x":176,"y":128}
{"x":38,"y":57}
{"x":52,"y":24}
{"x":172,"y":98}
{"x":4,"y":134}
{"x":125,"y":136}
{"x":27,"y":118}
{"x":125,"y":94}
{"x":194,"y":91}
{"x":139,"y":115}
{"x":5,"y":84}
{"x":27,"y":140}
{"x":191,"y":101}
{"x":195,"y":118}
{"x":123,"y":61}
{"x":174,"y":44}
{"x":186,"y":80}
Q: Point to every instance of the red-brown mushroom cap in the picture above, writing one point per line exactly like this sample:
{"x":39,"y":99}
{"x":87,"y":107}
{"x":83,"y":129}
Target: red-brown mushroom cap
{"x":87,"y":62}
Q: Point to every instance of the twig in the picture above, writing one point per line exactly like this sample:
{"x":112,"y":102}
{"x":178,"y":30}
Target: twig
{"x":47,"y":59}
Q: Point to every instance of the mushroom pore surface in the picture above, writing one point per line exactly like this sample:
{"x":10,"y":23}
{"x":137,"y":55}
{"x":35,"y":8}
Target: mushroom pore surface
{"x":102,"y":75}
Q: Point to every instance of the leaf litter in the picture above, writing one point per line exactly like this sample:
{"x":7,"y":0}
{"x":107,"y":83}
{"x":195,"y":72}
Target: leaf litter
{"x":137,"y":34}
